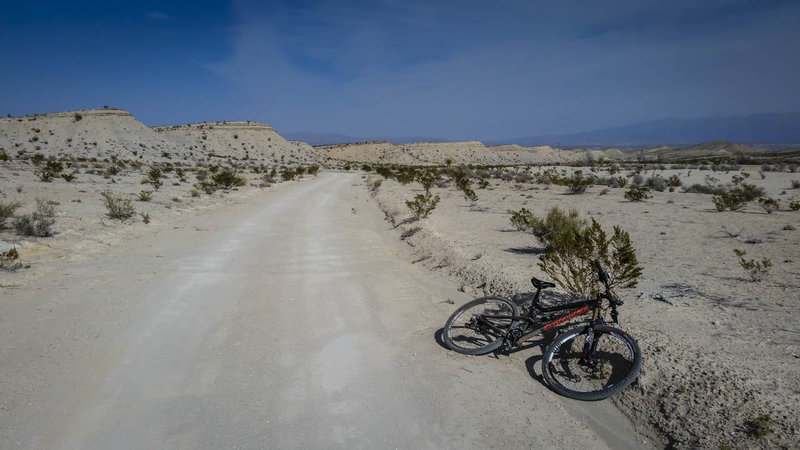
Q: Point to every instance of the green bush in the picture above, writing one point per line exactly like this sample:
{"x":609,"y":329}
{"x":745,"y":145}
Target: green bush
{"x":756,"y":269}
{"x":52,"y":169}
{"x":227,"y":178}
{"x":154,"y":177}
{"x":556,"y":223}
{"x":638,"y":194}
{"x":737,"y":197}
{"x":569,"y":259}
{"x":118,"y":207}
{"x":521,"y":220}
{"x":761,"y":425}
{"x":422,"y":205}
{"x":385,"y":172}
{"x":577,"y":183}
{"x":427,"y":178}
{"x":9,"y":259}
{"x":287,"y":174}
{"x":770,"y":205}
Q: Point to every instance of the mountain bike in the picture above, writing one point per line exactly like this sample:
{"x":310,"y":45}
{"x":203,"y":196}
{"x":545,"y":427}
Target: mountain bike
{"x":590,"y":362}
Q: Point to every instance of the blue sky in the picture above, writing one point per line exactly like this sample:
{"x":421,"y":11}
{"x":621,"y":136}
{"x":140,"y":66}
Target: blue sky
{"x":453,"y":69}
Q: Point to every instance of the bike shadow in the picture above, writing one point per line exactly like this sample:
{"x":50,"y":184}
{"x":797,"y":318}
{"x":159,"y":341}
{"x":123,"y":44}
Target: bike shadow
{"x":531,"y":364}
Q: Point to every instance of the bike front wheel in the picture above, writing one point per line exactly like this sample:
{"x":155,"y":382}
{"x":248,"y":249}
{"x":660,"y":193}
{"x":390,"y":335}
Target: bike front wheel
{"x":591,"y":363}
{"x":479,"y":326}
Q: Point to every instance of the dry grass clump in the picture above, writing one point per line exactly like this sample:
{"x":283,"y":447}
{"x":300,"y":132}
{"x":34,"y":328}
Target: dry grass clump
{"x":39,"y":223}
{"x":118,"y":207}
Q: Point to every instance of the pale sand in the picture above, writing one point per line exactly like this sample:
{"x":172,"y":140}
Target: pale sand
{"x":721,"y":352}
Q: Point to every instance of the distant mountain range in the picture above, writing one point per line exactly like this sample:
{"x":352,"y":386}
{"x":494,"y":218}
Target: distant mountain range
{"x":778,"y":128}
{"x":315,"y":138}
{"x":774,"y":128}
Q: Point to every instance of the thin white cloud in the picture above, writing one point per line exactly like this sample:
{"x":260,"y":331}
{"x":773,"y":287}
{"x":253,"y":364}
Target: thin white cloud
{"x":330,"y":69}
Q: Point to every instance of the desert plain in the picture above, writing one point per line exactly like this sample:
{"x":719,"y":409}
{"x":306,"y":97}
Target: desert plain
{"x":298,"y":304}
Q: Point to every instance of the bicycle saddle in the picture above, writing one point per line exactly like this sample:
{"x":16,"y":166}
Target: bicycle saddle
{"x":539,"y":284}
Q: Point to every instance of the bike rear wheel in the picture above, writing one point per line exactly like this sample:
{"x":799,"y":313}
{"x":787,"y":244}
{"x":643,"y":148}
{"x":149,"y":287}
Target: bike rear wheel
{"x":475,"y":329}
{"x":591,"y":363}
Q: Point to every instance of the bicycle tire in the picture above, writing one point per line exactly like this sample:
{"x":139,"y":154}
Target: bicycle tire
{"x":464,"y":335}
{"x":613,"y":365}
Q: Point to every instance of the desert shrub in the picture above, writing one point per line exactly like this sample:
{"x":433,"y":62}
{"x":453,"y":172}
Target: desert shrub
{"x":521,"y":219}
{"x":39,"y":223}
{"x":462,"y":182}
{"x":313,"y":170}
{"x":52,"y":169}
{"x":756,"y":269}
{"x":621,"y":181}
{"x":154,"y":177}
{"x":77,"y":117}
{"x":638,"y":194}
{"x":227,"y":178}
{"x":577,"y":183}
{"x":68,"y":177}
{"x":144,"y":195}
{"x":118,"y":207}
{"x":9,"y":259}
{"x":698,"y":188}
{"x":405,"y":176}
{"x":422,"y":205}
{"x":209,"y":187}
{"x":374,"y":186}
{"x":3,"y":156}
{"x":794,"y":206}
{"x":795,"y":184}
{"x":37,"y":159}
{"x":385,"y":172}
{"x":637,"y":180}
{"x":673,"y":182}
{"x":657,"y":183}
{"x":569,"y":258}
{"x":556,"y":223}
{"x":760,"y":426}
{"x":470,"y":194}
{"x":769,"y":204}
{"x":737,"y":197}
{"x":427,"y":178}
{"x":287,"y":174}
{"x":7,"y":211}
{"x":111,"y":171}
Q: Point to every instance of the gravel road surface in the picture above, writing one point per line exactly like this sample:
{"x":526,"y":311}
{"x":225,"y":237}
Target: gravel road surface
{"x":293,"y":319}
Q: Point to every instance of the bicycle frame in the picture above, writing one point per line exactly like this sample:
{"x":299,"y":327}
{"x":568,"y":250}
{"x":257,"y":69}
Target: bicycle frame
{"x":538,"y":312}
{"x":577,"y":309}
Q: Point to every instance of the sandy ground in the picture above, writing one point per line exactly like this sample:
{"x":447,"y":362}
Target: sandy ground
{"x":281,"y":317}
{"x":719,"y":349}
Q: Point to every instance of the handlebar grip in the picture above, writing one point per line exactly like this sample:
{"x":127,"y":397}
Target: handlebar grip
{"x":600,"y":272}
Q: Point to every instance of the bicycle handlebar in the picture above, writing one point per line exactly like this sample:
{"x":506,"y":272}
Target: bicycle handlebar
{"x":604,"y":279}
{"x":600,"y":272}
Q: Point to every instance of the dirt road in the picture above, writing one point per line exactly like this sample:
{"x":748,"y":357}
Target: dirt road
{"x":293,"y":319}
